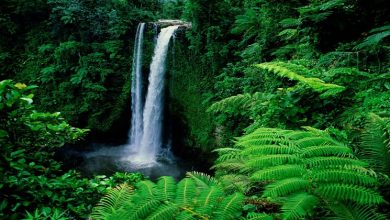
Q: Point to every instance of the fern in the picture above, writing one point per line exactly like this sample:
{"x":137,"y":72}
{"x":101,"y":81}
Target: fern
{"x":375,"y":143}
{"x":139,"y":210}
{"x":112,"y":202}
{"x":235,"y":183}
{"x":377,"y":35}
{"x":302,"y":170}
{"x":271,"y":160}
{"x":269,"y":149}
{"x":285,"y":187}
{"x":166,"y":187}
{"x":354,"y":212}
{"x":344,"y":175}
{"x":298,"y":73}
{"x":196,"y":197}
{"x":186,"y":191}
{"x":259,"y":216}
{"x":278,"y":172}
{"x":299,"y":206}
{"x":231,"y":104}
{"x":333,"y":161}
{"x":202,"y":180}
{"x":230,"y":165}
{"x":229,"y":207}
{"x":326,"y":151}
{"x":164,"y":212}
{"x":345,"y":192}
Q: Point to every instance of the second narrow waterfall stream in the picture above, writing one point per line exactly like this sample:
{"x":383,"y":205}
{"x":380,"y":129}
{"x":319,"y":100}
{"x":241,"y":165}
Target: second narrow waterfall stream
{"x":144,"y":151}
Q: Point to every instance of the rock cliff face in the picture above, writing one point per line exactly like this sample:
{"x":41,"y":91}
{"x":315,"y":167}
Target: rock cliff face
{"x":167,"y":22}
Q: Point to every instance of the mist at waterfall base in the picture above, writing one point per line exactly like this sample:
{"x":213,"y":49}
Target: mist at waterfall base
{"x":148,"y":148}
{"x":106,"y":160}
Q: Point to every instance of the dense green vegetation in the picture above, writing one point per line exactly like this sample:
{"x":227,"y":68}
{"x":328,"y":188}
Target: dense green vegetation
{"x":288,"y":99}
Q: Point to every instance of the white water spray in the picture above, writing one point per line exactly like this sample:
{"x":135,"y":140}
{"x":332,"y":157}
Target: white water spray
{"x":151,"y":140}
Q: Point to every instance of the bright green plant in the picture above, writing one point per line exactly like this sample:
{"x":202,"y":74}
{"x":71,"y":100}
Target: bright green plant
{"x":304,"y":171}
{"x":375,"y":144}
{"x":296,"y":98}
{"x":300,"y":74}
{"x":32,"y":181}
{"x":196,"y":197}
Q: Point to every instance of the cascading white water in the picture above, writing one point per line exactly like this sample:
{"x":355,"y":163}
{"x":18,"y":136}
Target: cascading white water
{"x":153,"y":111}
{"x":136,"y":130}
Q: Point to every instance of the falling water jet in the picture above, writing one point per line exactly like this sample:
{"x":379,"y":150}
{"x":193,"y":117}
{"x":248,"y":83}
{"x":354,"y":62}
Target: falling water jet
{"x":136,"y":130}
{"x":151,"y":140}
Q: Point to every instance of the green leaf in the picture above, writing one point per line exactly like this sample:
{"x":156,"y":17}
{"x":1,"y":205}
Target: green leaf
{"x":3,"y":133}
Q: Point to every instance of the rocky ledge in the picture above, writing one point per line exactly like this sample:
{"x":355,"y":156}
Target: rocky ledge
{"x":167,"y":22}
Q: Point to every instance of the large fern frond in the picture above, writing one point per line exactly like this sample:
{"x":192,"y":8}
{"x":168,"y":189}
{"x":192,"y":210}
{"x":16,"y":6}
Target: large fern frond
{"x":146,"y":188}
{"x":164,"y":212}
{"x":186,"y":191}
{"x":295,"y":167}
{"x":299,"y":73}
{"x":375,"y":143}
{"x":354,"y":212}
{"x":166,"y":188}
{"x":377,"y":35}
{"x":299,"y":206}
{"x":231,"y":104}
{"x":202,"y":180}
{"x":285,"y":187}
{"x":258,"y":216}
{"x":344,"y":175}
{"x":269,"y":149}
{"x":141,"y":209}
{"x":279,"y":172}
{"x":229,"y":207}
{"x":263,"y":161}
{"x":209,"y":199}
{"x":111,"y":203}
{"x":333,"y":161}
{"x":235,"y":183}
{"x":347,"y":192}
{"x":198,"y":196}
{"x":326,"y":150}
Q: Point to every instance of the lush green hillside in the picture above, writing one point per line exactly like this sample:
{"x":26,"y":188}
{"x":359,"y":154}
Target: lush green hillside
{"x":289,"y":100}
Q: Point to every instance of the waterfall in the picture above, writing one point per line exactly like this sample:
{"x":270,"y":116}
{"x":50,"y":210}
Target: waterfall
{"x":151,"y":140}
{"x":136,"y":131}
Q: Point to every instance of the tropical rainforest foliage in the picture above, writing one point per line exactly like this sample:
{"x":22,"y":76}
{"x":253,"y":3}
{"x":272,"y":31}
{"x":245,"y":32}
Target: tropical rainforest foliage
{"x":288,"y":101}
